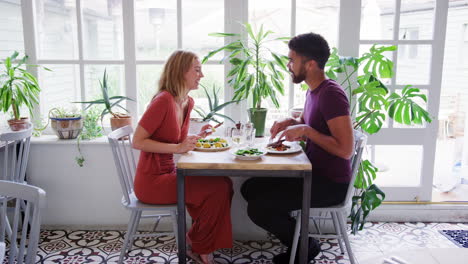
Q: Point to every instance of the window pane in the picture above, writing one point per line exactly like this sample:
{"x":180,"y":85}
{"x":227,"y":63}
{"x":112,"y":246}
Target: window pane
{"x":419,"y":15}
{"x":115,"y":81}
{"x":102,"y":29}
{"x":396,"y":169}
{"x":147,"y":83}
{"x":56,"y":29}
{"x":213,"y":77}
{"x":413,"y":65}
{"x":155,"y":29}
{"x":198,"y":23}
{"x":320,"y":17}
{"x":377,"y":18}
{"x":11,"y":28}
{"x":275,"y":16}
{"x":60,"y":87}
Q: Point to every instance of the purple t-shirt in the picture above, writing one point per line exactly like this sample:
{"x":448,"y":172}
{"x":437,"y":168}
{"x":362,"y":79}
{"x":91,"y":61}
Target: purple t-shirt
{"x":326,"y":102}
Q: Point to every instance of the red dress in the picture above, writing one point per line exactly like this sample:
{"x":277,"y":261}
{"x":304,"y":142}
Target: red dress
{"x":208,"y":199}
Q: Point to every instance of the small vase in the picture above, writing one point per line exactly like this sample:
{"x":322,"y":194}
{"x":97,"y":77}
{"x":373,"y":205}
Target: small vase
{"x":258,"y":117}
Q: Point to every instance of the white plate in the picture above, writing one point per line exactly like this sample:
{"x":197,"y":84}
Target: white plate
{"x":212,"y":149}
{"x":233,"y":152}
{"x":294,"y":147}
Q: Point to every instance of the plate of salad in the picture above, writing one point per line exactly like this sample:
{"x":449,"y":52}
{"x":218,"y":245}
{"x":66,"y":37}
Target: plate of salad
{"x":248,"y":153}
{"x":212,"y":144}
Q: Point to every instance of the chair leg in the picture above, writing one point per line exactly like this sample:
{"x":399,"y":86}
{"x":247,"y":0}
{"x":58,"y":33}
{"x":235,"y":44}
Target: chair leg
{"x":174,"y":226}
{"x":336,"y":225}
{"x":128,"y":235}
{"x":342,"y":224}
{"x":135,"y":227}
{"x":297,"y":230}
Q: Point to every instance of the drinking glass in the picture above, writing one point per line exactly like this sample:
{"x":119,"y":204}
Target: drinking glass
{"x":237,"y":136}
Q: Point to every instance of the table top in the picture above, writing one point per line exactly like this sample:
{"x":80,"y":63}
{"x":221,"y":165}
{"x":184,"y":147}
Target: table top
{"x":226,"y":161}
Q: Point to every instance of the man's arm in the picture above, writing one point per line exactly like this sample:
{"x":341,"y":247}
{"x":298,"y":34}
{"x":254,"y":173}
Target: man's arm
{"x":340,"y":143}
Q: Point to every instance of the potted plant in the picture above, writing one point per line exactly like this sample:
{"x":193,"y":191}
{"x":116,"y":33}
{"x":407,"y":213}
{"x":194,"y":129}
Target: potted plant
{"x":256,"y":72}
{"x":371,"y":102}
{"x":117,"y":119}
{"x":205,"y":117}
{"x":91,"y":130}
{"x":18,"y":88}
{"x":66,"y":124}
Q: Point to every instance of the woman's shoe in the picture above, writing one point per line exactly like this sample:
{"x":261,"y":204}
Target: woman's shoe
{"x":194,"y":256}
{"x":208,"y":258}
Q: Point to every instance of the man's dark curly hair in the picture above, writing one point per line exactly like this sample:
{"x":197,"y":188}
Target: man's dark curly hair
{"x":311,"y":46}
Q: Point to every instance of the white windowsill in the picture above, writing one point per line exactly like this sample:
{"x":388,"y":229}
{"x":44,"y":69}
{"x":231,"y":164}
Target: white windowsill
{"x":53,"y":139}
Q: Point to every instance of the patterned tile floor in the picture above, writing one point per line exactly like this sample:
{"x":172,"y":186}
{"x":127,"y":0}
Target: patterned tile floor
{"x":417,"y":243}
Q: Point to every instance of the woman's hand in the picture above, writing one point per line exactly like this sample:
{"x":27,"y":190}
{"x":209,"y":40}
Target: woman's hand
{"x":206,"y":130}
{"x":188,"y":144}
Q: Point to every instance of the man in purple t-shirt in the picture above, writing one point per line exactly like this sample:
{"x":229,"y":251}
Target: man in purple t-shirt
{"x":326,"y":126}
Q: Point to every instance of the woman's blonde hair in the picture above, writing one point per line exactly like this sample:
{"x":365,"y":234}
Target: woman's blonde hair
{"x":173,"y":76}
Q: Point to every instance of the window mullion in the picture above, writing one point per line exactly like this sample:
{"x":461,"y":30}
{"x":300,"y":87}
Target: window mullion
{"x":29,"y":38}
{"x":128,"y":11}
{"x":179,"y":24}
{"x":80,"y":51}
{"x":293,"y":33}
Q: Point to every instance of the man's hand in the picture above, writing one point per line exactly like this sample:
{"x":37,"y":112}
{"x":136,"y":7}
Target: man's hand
{"x":188,"y":144}
{"x":281,"y":125}
{"x":295,"y":133}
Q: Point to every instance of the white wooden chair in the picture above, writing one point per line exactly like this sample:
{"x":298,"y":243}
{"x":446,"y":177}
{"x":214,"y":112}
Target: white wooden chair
{"x":121,"y":144}
{"x":24,"y":239}
{"x":15,"y":151}
{"x":338,"y":213}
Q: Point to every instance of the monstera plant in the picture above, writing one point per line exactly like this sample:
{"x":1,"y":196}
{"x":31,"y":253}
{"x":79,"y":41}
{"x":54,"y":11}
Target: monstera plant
{"x":371,"y":103}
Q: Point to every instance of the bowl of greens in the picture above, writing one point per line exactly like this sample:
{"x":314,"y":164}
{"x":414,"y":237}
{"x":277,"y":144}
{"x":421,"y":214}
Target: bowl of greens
{"x":248,"y":153}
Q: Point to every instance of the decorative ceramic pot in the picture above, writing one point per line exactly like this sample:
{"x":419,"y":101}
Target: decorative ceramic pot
{"x":67,"y":127}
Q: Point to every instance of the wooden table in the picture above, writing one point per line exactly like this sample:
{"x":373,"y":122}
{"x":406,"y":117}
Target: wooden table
{"x":223,"y":163}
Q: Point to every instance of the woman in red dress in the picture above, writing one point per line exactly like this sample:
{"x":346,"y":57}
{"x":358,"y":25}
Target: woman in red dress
{"x":161,"y":132}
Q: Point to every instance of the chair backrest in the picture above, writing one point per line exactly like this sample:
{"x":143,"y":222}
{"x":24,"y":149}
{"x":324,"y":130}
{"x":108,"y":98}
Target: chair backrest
{"x":23,"y":244}
{"x":124,"y":158}
{"x":360,"y":141}
{"x":15,"y":149}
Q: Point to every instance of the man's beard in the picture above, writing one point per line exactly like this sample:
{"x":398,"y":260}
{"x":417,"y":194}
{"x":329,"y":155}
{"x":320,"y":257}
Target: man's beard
{"x":300,"y":77}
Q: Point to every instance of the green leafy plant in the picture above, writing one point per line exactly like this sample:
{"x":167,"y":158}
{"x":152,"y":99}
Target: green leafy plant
{"x":109,"y":102}
{"x":213,"y":103}
{"x":18,"y":87}
{"x":371,"y":102}
{"x":91,"y":130}
{"x":257,"y":72}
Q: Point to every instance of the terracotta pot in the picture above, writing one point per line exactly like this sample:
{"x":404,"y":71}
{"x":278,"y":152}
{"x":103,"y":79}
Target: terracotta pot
{"x":67,"y":128}
{"x":121,"y":121}
{"x":21,"y":124}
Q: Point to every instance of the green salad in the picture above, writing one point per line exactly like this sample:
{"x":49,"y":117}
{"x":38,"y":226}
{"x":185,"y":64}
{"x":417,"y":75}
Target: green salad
{"x":248,"y":152}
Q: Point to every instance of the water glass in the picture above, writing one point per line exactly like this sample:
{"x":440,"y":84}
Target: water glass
{"x":250,"y":137}
{"x":237,"y":136}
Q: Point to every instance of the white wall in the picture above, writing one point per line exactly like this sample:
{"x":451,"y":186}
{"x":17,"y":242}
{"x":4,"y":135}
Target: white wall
{"x":89,"y":197}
